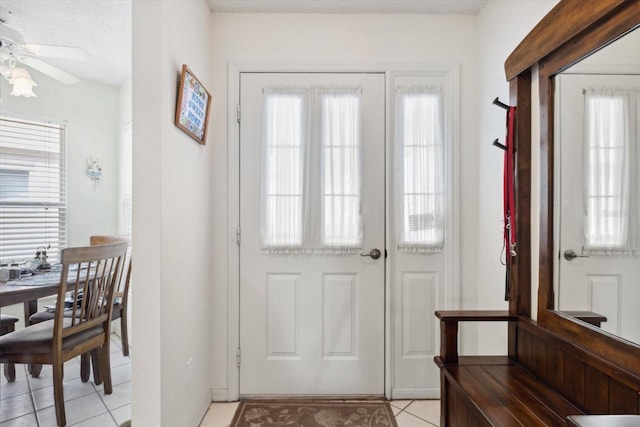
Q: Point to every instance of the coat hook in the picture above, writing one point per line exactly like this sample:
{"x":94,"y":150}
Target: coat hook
{"x":500,"y":104}
{"x":496,"y":143}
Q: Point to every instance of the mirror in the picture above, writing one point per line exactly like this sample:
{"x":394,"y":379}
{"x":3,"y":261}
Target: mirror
{"x":597,"y":189}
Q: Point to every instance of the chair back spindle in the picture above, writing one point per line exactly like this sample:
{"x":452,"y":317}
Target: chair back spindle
{"x":94,"y":273}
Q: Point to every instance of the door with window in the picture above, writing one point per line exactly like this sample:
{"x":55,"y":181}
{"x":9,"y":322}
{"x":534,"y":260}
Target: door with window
{"x":312,"y":223}
{"x":599,"y":224}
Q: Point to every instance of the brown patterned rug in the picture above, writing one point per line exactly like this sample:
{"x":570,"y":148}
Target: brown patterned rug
{"x":313,"y":413}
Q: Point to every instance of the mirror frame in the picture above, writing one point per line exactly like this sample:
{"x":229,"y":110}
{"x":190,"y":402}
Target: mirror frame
{"x":571,"y":31}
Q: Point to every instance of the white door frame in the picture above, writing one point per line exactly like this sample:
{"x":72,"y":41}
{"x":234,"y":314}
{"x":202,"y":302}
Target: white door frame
{"x":451,"y":297}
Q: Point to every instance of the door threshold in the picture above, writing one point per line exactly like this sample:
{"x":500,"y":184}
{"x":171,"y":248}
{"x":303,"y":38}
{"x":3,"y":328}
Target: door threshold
{"x":351,"y":397}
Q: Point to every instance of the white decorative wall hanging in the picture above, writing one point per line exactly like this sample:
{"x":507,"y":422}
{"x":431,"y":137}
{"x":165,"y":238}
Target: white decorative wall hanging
{"x":94,"y":171}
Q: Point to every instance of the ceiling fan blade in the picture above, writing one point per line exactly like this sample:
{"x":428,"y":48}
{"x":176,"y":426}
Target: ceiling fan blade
{"x":50,"y":70}
{"x":64,"y":52}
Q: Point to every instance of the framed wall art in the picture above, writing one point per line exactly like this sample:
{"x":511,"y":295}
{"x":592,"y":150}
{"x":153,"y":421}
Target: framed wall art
{"x":194,"y":102}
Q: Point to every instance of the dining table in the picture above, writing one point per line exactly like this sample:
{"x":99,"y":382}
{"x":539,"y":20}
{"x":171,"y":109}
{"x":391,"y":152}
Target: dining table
{"x":28,"y":289}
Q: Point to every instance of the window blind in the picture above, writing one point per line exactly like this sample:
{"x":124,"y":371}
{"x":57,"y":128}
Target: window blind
{"x":33,"y":202}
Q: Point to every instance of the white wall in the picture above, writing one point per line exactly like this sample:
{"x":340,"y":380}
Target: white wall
{"x":167,"y":162}
{"x":374,"y":41}
{"x":124,"y":102}
{"x":502,"y":25}
{"x":172,"y":217}
{"x":92,"y":113}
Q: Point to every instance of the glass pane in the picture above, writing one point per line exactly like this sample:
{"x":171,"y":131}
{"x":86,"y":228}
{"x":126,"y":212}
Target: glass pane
{"x":341,"y":170}
{"x":342,"y":221}
{"x":287,"y":229}
{"x":421,"y":118}
{"x":421,"y":223}
{"x":340,"y":130}
{"x":607,"y":186}
{"x":282,"y":171}
{"x":423,"y":170}
{"x":32,"y":189}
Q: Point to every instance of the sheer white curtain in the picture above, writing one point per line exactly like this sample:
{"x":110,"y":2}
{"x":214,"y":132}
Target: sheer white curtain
{"x":610,"y":166}
{"x":284,"y":140}
{"x":311,"y":170}
{"x":340,"y":141}
{"x":419,"y":169}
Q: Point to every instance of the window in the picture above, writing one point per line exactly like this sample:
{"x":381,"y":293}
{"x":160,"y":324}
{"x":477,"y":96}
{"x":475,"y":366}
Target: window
{"x":420,"y":174}
{"x":311,"y":172}
{"x":341,"y":151}
{"x":282,"y":171}
{"x":32,"y":189}
{"x":611,"y":205}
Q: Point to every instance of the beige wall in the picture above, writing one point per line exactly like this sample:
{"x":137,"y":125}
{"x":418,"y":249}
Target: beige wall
{"x":172,"y":217}
{"x":502,"y":25}
{"x":91,"y":111}
{"x":371,"y":42}
{"x":174,"y":178}
{"x":479,"y":44}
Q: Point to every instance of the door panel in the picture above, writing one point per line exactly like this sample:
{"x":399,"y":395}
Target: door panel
{"x":417,"y":280}
{"x":312,"y":324}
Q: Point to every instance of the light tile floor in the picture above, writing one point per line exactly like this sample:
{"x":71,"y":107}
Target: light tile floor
{"x":28,"y":402}
{"x":408,"y":413}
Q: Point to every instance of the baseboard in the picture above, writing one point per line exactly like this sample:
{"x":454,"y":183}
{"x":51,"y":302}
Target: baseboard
{"x":219,"y":395}
{"x":415,"y":393}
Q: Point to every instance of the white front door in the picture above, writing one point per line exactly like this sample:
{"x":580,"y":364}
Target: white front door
{"x":604,"y":281}
{"x":311,"y":307}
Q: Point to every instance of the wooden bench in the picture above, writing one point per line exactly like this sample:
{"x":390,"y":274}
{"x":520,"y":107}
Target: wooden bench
{"x":492,"y":390}
{"x":561,"y":368}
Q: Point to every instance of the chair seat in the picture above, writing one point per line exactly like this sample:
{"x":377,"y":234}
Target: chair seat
{"x":38,"y":338}
{"x":43,"y":316}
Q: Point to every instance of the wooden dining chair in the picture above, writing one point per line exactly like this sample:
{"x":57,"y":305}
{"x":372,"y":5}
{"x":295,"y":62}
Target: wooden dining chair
{"x":8,"y":324}
{"x":93,"y":272}
{"x":120,"y":309}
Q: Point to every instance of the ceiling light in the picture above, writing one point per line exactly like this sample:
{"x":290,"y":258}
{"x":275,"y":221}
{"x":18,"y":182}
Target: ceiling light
{"x":22,"y":83}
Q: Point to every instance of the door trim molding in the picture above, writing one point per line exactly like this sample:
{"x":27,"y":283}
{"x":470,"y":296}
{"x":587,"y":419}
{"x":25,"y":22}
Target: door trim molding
{"x":452,"y":264}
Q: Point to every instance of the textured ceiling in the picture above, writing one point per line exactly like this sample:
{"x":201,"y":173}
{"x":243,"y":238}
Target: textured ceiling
{"x":348,"y":6}
{"x":101,"y":27}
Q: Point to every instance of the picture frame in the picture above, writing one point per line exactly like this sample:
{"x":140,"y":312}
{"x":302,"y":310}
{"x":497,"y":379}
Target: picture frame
{"x":192,"y":109}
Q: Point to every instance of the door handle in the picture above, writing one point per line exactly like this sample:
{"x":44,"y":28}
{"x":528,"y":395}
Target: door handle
{"x":570,"y":255}
{"x":373,"y":253}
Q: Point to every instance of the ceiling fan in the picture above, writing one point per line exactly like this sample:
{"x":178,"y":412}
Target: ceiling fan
{"x":14,"y":51}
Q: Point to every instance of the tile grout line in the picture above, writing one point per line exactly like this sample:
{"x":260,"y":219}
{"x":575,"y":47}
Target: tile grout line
{"x":423,"y":419}
{"x":405,"y":410}
{"x":415,"y":416}
{"x":95,"y":389}
{"x":33,"y":399}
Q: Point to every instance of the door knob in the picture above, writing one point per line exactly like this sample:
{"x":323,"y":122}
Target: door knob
{"x":373,"y":253}
{"x":570,"y":255}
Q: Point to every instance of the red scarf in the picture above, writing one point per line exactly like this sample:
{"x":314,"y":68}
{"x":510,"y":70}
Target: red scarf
{"x":509,"y":189}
